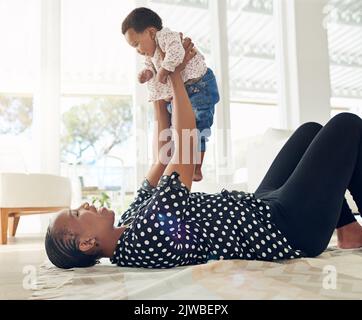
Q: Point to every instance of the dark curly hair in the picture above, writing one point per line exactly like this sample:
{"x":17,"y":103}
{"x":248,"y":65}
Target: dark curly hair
{"x":140,"y":19}
{"x":62,"y":250}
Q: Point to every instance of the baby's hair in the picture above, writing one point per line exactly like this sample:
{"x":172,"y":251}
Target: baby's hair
{"x":62,"y":250}
{"x":140,"y":19}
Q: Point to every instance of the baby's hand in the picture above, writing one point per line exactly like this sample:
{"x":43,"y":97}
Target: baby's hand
{"x":145,"y":75}
{"x":162,"y":75}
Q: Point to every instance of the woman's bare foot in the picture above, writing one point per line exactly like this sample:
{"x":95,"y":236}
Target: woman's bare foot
{"x":350,"y":236}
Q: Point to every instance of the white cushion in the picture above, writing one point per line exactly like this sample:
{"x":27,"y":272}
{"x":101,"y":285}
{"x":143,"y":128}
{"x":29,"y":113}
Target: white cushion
{"x":18,"y":190}
{"x":261,"y":153}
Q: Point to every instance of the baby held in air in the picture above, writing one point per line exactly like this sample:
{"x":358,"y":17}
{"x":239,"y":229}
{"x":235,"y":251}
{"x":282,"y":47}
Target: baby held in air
{"x":163,"y":52}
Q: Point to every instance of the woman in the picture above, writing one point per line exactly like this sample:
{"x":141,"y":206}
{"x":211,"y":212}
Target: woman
{"x":292,"y":214}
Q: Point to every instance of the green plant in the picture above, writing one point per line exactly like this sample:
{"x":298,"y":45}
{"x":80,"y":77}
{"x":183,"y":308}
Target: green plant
{"x":103,"y":200}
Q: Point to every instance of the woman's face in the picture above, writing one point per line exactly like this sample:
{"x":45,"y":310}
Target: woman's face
{"x":86,"y":222}
{"x":143,"y":42}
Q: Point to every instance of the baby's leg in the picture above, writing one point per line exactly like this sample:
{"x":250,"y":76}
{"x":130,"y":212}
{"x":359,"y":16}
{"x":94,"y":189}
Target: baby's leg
{"x":198,"y":173}
{"x":204,"y":96}
{"x":204,"y":115}
{"x":203,"y":134}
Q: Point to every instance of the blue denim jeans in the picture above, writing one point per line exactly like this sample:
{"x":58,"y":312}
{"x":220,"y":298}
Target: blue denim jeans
{"x":203,"y":95}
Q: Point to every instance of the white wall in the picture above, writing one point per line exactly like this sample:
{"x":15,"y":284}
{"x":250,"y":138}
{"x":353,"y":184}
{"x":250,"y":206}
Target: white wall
{"x":303,"y":62}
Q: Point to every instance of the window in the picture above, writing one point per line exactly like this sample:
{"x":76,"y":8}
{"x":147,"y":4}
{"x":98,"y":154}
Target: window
{"x":252,"y":72}
{"x":20,"y":46}
{"x":97,"y":86}
{"x":18,"y":67}
{"x":16,"y":114}
{"x":18,"y":61}
{"x":19,"y":54}
{"x":344,"y":27}
{"x":96,"y":141}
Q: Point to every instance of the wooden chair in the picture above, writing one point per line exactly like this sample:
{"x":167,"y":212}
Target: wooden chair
{"x":26,"y":194}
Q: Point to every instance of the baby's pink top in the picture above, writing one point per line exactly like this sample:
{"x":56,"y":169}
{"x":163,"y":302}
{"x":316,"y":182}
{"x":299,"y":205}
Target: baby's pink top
{"x":170,"y":43}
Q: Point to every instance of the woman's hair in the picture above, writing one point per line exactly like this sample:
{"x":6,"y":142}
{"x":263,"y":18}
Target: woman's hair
{"x":62,"y":250}
{"x":140,"y":19}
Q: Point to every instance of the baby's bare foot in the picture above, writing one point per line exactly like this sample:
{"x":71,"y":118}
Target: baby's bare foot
{"x":197,"y":176}
{"x":350,"y":236}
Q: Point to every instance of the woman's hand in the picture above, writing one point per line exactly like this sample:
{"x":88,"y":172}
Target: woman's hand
{"x":190,"y":52}
{"x":162,"y":75}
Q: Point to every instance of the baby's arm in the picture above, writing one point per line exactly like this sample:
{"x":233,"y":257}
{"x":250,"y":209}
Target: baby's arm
{"x":148,"y":72}
{"x":145,"y":75}
{"x":170,"y":43}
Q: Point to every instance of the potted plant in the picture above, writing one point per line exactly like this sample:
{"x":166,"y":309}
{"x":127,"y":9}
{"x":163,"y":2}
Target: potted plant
{"x":103,"y":200}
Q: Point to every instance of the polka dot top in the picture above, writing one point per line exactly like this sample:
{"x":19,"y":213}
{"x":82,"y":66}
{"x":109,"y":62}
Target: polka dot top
{"x":168,"y":226}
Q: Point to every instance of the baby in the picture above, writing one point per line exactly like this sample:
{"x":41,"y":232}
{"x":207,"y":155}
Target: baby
{"x":163,"y":51}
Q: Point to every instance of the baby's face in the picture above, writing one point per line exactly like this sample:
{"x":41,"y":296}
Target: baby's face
{"x":142,"y":42}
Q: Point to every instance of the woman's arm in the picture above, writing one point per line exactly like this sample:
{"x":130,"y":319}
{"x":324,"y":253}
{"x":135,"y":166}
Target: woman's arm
{"x":162,"y":124}
{"x":185,"y":135}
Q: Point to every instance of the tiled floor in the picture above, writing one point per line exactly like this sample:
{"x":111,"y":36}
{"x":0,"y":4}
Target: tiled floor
{"x":18,"y":262}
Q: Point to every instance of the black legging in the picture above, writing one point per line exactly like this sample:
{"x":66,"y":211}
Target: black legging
{"x":307,"y":181}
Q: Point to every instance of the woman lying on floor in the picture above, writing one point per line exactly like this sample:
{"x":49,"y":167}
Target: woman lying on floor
{"x":292,"y":214}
